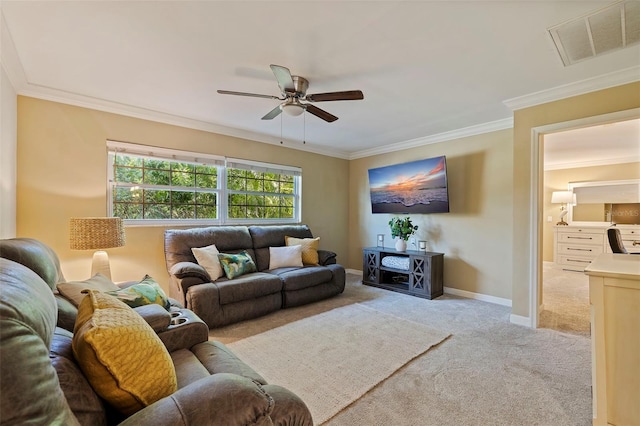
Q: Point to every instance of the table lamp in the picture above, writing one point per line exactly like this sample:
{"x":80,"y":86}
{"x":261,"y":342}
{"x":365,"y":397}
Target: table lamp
{"x":97,"y":233}
{"x":563,"y":197}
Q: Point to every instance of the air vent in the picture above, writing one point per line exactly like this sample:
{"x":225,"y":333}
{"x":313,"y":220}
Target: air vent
{"x":615,"y":27}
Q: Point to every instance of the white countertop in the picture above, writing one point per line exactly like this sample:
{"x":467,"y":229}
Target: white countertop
{"x":626,"y":266}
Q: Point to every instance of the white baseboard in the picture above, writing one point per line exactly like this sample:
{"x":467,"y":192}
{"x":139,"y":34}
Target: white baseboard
{"x":478,"y":296}
{"x":520,"y":320}
{"x":514,"y":319}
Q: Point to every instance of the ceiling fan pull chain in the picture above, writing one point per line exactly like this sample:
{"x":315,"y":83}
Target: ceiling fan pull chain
{"x":304,"y":128}
{"x":280,"y":129}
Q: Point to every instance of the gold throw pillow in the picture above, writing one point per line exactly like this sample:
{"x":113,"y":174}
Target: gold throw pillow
{"x":122,"y":357}
{"x":309,"y":248}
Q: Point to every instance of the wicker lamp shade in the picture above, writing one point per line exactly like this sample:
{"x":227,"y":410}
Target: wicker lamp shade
{"x":96,"y":233}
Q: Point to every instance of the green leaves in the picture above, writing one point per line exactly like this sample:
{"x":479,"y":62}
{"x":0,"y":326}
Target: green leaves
{"x":402,"y":228}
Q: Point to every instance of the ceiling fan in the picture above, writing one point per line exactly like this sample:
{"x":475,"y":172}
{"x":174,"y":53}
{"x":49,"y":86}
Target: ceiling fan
{"x":294,"y":90}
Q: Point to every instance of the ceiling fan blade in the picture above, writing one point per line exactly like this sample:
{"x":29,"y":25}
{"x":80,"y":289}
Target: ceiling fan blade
{"x":273,"y":113}
{"x":320,"y":113}
{"x":253,"y":95}
{"x":349,"y":95}
{"x":283,"y":75}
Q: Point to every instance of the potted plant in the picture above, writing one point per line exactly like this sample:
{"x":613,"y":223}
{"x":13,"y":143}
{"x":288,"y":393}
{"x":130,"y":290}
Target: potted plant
{"x":402,"y":229}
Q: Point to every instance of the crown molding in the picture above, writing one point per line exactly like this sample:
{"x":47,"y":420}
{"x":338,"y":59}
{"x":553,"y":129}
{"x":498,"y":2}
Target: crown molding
{"x":616,"y":78}
{"x":591,"y":163}
{"x":506,"y":123}
{"x":9,"y":59}
{"x":54,"y":95}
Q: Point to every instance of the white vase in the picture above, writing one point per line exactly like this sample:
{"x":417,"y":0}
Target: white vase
{"x":401,"y":245}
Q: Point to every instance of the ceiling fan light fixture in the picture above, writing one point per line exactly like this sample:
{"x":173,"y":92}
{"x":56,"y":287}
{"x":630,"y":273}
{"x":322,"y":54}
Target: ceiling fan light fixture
{"x":293,"y":109}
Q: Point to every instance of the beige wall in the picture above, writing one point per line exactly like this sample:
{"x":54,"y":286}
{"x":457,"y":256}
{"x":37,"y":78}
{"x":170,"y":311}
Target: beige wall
{"x":557,"y":180}
{"x":62,"y":172}
{"x":486,"y":237}
{"x":476,"y":235}
{"x":601,"y":102}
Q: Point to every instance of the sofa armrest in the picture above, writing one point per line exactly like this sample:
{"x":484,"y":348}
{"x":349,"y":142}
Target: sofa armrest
{"x":326,"y":257}
{"x":219,"y":399}
{"x":155,"y":315}
{"x":189,"y":269}
{"x":185,"y":330}
{"x":184,"y":275}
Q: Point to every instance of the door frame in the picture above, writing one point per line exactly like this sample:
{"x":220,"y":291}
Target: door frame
{"x":537,"y":191}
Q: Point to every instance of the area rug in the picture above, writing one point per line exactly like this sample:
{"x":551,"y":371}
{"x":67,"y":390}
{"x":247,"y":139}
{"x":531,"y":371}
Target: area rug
{"x":332,"y":359}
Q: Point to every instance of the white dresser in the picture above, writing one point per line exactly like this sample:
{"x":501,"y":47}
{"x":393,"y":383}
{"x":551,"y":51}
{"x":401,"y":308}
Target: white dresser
{"x":576,"y":246}
{"x":614,"y":294}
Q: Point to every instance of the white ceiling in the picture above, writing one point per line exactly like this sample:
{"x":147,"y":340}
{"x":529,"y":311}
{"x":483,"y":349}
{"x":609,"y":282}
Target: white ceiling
{"x":428,"y":69}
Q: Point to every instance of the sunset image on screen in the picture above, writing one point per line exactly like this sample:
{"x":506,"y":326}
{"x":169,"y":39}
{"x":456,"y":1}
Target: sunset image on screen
{"x":418,"y":186}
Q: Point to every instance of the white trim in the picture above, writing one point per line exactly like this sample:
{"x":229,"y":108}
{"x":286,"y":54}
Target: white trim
{"x":170,"y":153}
{"x":536,"y":185}
{"x":506,"y":123}
{"x":592,"y":163}
{"x":69,"y":98}
{"x":478,"y":296}
{"x":612,"y":79}
{"x":520,"y":320}
{"x":534,"y":229}
{"x":461,"y":293}
{"x":9,"y":59}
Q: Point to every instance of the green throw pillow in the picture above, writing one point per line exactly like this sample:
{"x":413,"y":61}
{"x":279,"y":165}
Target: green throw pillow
{"x":146,"y":292}
{"x":235,"y":265}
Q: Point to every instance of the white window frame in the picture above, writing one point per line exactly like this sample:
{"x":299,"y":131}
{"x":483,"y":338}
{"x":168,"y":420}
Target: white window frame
{"x":221,"y":162}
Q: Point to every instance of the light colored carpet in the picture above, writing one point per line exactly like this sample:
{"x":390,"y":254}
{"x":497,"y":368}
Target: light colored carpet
{"x":333,"y":358}
{"x":565,"y":295}
{"x":489,"y":372}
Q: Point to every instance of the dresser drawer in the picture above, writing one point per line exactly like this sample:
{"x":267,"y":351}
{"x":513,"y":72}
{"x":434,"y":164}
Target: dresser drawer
{"x":589,"y":251}
{"x":575,"y":263}
{"x":579,"y":238}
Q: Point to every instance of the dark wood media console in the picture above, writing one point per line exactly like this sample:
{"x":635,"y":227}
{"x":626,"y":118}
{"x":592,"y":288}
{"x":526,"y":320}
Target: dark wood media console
{"x":423,"y":278}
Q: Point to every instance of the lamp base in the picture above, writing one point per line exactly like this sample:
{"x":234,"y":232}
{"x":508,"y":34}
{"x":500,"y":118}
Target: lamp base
{"x":562,"y":223}
{"x":100,"y":264}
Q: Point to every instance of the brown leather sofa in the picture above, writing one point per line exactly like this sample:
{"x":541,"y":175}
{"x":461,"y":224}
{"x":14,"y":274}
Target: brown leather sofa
{"x":41,"y":381}
{"x":222,"y":301}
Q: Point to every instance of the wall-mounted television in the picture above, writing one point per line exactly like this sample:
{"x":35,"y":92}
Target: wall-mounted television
{"x":414,"y":187}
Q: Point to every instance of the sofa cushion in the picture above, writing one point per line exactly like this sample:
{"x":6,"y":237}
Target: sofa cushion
{"x":72,"y":291}
{"x":309,"y":248}
{"x":280,"y":257}
{"x":120,"y":354}
{"x":273,"y":236}
{"x":146,"y":292}
{"x":207,"y":257}
{"x":227,"y":239}
{"x":247,"y":287}
{"x":28,"y":382}
{"x":82,"y":399}
{"x":235,"y":265}
{"x":309,"y":276}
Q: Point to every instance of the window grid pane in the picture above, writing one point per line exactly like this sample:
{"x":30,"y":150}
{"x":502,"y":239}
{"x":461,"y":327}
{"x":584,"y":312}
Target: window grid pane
{"x":161,"y":194}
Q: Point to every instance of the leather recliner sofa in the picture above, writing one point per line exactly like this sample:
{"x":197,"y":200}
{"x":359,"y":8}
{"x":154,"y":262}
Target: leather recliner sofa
{"x":42,"y":382}
{"x":224,"y":301}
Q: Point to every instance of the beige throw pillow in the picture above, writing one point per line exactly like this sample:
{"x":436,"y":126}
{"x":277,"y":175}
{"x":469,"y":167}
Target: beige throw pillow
{"x":72,"y":290}
{"x":287,"y":256}
{"x":207,"y":257}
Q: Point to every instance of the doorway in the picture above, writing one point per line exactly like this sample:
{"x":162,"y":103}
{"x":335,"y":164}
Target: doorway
{"x":540,"y":205}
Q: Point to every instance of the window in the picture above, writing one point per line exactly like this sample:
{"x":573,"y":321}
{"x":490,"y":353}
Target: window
{"x":258,"y":192}
{"x":149,"y":185}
